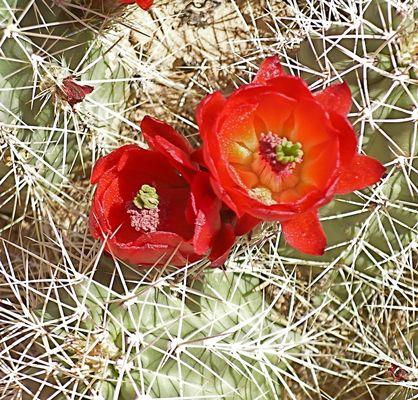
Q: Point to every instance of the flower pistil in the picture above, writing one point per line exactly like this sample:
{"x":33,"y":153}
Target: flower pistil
{"x":279,"y":152}
{"x":288,"y":152}
{"x":145,"y":213}
{"x":147,"y":197}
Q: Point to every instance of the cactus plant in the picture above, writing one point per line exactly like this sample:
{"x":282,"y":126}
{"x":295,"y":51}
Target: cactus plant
{"x":359,"y":299}
{"x":367,"y":273}
{"x":160,"y":341}
{"x":204,"y":46}
{"x":374,"y":228}
{"x":44,"y":50}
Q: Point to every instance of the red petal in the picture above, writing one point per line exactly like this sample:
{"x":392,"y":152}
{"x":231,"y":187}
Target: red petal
{"x":291,"y":86}
{"x":245,"y":224}
{"x":319,"y":170}
{"x":221,"y":245}
{"x":166,"y":140}
{"x":73,"y":92}
{"x":180,"y":160}
{"x":336,"y":98}
{"x":207,"y":115}
{"x":241,"y":203}
{"x":87,"y":89}
{"x":320,"y":167}
{"x":157,"y":248}
{"x":362,"y":172}
{"x":94,"y":222}
{"x":207,"y":211}
{"x":274,"y":109}
{"x":197,"y":157}
{"x":153,"y":128}
{"x":144,"y":4}
{"x":311,"y":125}
{"x":207,"y":112}
{"x":173,"y":204}
{"x":347,"y":136}
{"x":270,"y":68}
{"x":304,"y":233}
{"x":105,"y":163}
{"x":137,"y":165}
{"x":224,"y":196}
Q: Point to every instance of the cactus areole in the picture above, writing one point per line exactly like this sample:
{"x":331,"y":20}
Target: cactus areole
{"x":278,"y":152}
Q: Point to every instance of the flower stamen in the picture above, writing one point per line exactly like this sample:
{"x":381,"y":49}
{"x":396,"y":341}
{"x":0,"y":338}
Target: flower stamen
{"x":145,"y":215}
{"x":279,"y":152}
{"x":145,"y":220}
{"x":263,"y":195}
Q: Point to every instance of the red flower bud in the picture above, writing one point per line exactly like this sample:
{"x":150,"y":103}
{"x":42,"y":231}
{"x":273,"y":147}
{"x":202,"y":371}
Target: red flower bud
{"x":278,"y":152}
{"x":398,"y":374}
{"x":157,"y":206}
{"x":72,"y":92}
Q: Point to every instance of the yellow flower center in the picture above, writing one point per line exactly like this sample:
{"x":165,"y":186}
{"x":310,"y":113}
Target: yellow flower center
{"x":267,"y":168}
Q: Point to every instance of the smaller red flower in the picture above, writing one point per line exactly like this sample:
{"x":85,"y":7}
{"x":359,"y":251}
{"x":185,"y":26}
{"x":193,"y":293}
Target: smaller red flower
{"x":157,"y":206}
{"x":144,"y":4}
{"x":72,"y":92}
{"x":278,"y":152}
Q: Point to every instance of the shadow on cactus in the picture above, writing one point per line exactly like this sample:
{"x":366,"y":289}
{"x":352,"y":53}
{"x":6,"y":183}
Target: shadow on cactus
{"x":213,"y":339}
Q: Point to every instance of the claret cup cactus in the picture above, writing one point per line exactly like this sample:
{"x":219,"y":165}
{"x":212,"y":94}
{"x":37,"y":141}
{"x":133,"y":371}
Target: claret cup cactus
{"x":213,"y":339}
{"x":384,"y":95}
{"x":373,"y":230}
{"x":94,"y":309}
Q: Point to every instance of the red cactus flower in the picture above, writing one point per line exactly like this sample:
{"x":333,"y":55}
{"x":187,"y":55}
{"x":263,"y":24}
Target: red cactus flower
{"x":156,"y":206}
{"x":144,"y":4}
{"x":278,"y":152}
{"x":72,"y":92}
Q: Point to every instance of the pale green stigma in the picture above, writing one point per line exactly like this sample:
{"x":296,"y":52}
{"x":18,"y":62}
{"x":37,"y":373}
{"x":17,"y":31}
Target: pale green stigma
{"x":289,"y":152}
{"x":147,"y":197}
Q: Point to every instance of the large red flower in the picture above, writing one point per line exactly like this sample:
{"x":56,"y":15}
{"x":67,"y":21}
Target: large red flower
{"x":156,"y":206}
{"x":278,"y":152}
{"x":144,"y":4}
